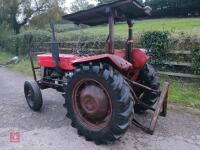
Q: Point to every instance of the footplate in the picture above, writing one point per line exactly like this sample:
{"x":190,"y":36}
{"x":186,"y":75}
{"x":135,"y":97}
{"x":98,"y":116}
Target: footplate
{"x":160,"y":109}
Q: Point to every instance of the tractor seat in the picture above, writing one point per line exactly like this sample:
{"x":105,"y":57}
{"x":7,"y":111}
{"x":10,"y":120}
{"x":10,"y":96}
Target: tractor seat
{"x":65,"y":62}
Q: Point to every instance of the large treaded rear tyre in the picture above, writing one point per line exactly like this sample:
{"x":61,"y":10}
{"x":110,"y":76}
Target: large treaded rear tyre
{"x":120,"y":106}
{"x":148,"y":77}
{"x":33,"y":95}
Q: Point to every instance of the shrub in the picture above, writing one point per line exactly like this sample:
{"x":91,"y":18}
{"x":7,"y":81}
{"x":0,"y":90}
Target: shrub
{"x":196,"y":59}
{"x":157,"y":44}
{"x":20,"y":44}
{"x":4,"y":32}
{"x":94,"y":41}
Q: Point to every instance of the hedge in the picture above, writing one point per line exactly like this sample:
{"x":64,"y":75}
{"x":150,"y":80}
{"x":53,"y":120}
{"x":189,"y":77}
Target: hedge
{"x":196,"y":59}
{"x":21,"y":44}
{"x":157,"y":45}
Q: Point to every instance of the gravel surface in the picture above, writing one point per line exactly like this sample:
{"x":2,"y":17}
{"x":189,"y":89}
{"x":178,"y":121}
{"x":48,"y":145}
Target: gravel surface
{"x":50,"y":129}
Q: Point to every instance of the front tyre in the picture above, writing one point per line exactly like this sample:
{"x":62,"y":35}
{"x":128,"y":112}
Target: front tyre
{"x":99,"y":103}
{"x":33,"y":95}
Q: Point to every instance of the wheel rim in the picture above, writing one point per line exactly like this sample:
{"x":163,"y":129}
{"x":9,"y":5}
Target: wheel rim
{"x":29,"y":97}
{"x":92,"y":104}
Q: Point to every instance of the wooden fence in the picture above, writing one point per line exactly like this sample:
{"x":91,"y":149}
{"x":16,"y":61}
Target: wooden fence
{"x":179,"y":67}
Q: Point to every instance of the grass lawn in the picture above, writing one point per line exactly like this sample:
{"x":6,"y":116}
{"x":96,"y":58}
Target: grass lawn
{"x":182,"y":92}
{"x":4,"y":57}
{"x":176,"y":25}
{"x":24,"y":66}
{"x":186,"y":92}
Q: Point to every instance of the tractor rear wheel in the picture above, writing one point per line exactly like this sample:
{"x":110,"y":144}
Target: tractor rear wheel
{"x":99,"y":103}
{"x":148,"y":77}
{"x":33,"y":95}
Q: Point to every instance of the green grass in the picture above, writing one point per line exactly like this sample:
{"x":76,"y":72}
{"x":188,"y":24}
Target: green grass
{"x":176,"y":25}
{"x":4,"y":57}
{"x":23,"y":66}
{"x":186,"y":93}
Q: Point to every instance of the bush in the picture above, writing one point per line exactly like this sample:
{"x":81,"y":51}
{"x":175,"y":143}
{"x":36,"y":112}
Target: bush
{"x":94,"y":41}
{"x":20,"y":44}
{"x":196,"y":59}
{"x":157,"y":44}
{"x":4,"y":32}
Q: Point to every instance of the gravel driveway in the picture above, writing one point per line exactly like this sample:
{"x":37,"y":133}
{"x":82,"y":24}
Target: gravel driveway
{"x":50,"y":129}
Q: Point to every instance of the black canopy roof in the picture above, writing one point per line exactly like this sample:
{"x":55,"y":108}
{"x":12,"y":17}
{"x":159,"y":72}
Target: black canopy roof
{"x":122,"y":10}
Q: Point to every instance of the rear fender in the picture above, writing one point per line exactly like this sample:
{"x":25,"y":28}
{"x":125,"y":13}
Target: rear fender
{"x":139,"y":58}
{"x":116,"y":61}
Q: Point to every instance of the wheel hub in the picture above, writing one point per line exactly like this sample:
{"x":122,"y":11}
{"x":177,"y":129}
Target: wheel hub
{"x":94,"y":102}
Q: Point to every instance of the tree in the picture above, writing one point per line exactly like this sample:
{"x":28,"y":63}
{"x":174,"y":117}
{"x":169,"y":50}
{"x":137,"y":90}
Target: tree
{"x":20,"y":12}
{"x":173,"y":8}
{"x":2,"y":12}
{"x":78,"y":5}
{"x":105,"y":1}
{"x":55,"y":13}
{"x":108,"y":1}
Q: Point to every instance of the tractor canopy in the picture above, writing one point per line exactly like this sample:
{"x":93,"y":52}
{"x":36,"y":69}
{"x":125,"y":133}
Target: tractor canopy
{"x":121,"y":10}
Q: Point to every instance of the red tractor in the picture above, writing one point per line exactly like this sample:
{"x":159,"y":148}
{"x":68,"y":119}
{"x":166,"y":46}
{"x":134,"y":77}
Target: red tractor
{"x":102,"y":92}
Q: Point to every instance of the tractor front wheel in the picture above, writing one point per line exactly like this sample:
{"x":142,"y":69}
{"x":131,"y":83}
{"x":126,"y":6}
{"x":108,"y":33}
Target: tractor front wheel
{"x":99,"y":103}
{"x":33,"y":95}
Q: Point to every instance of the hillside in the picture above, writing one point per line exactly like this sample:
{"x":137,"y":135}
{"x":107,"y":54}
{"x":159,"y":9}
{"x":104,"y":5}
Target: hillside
{"x":175,"y":25}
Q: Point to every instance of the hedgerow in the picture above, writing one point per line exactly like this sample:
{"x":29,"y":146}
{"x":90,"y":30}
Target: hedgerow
{"x":20,"y":44}
{"x":196,"y":58}
{"x":157,"y":45}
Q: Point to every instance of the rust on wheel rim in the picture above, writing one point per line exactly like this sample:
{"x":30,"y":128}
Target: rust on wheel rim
{"x":92,"y":104}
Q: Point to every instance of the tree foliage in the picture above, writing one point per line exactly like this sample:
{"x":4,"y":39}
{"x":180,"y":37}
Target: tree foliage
{"x":105,"y":1}
{"x":19,"y":12}
{"x":54,"y":13}
{"x":108,"y":1}
{"x":78,"y":5}
{"x":173,"y":8}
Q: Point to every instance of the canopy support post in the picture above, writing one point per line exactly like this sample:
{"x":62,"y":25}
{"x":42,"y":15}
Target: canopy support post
{"x":111,"y":22}
{"x":130,"y":40}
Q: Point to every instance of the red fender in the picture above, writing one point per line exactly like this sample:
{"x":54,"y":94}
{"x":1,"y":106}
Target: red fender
{"x":138,"y":55}
{"x":118,"y":62}
{"x":140,"y":58}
